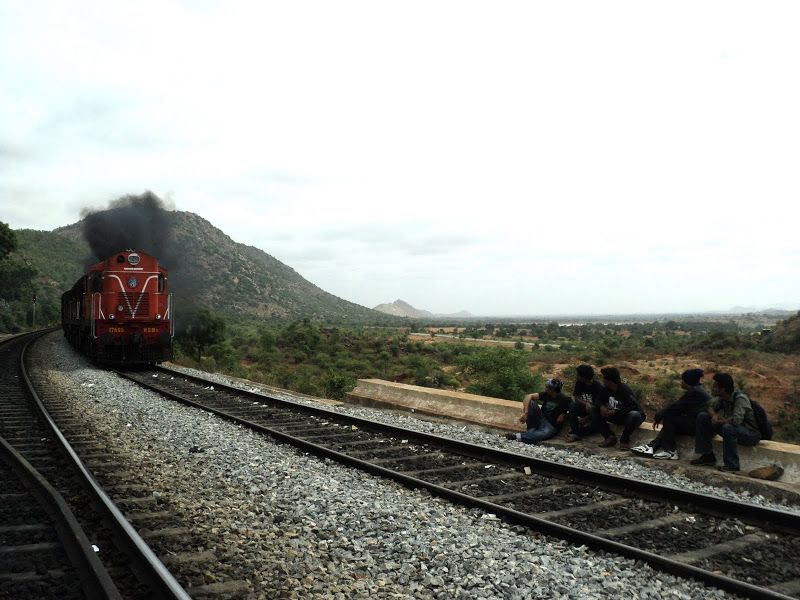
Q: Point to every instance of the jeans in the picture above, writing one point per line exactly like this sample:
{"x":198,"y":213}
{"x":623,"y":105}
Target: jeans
{"x":732,"y":436}
{"x":630,"y":420}
{"x":684,"y":424}
{"x":539,"y":428}
{"x":576,"y":411}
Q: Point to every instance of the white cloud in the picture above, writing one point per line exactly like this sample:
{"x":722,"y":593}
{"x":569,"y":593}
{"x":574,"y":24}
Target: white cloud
{"x":501,"y":159}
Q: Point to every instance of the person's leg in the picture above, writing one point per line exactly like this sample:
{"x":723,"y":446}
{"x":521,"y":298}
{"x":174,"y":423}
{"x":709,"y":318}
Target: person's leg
{"x":576,"y":411}
{"x":544,"y":431}
{"x":630,"y":421}
{"x":535,"y":416}
{"x":684,"y":424}
{"x":732,"y":436}
{"x":657,"y":442}
{"x":703,"y":434}
{"x":587,"y":429}
{"x":599,"y":423}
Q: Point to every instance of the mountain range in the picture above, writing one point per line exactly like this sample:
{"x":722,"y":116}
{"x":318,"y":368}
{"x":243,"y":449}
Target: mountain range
{"x":400,"y":308}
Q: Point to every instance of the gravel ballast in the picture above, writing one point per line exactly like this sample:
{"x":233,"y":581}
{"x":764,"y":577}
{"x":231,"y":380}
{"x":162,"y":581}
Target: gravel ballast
{"x":624,"y":465}
{"x":295,"y":526}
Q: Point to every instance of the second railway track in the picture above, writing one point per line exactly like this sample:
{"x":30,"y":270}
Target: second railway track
{"x":685,"y":533}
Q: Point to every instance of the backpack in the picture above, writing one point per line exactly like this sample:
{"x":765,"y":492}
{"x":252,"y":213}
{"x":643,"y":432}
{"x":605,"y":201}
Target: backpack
{"x":762,"y":420}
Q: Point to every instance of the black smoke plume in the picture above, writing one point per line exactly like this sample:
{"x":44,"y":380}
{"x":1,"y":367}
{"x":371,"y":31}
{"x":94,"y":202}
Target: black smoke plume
{"x":141,"y":222}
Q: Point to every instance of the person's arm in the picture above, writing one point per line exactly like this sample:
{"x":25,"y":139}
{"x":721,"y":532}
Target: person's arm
{"x":680,"y":406}
{"x":526,"y":403}
{"x":562,"y":409}
{"x":657,"y":420}
{"x":740,"y":405}
{"x":581,"y":395}
{"x":629,"y":403}
{"x":602,"y":403}
{"x":713,"y":411}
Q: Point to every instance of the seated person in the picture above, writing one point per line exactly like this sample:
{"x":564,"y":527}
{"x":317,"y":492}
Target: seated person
{"x":542,"y":421}
{"x":678,"y":417}
{"x":731,"y":416}
{"x":617,"y":405}
{"x":586,"y":395}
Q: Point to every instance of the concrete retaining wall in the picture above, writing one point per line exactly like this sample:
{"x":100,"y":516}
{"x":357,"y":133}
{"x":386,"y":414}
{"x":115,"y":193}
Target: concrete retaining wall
{"x":504,"y":414}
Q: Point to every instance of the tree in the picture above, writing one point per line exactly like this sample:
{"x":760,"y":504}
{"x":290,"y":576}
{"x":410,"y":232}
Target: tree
{"x":500,"y":373}
{"x":8,"y":240}
{"x":206,"y":329}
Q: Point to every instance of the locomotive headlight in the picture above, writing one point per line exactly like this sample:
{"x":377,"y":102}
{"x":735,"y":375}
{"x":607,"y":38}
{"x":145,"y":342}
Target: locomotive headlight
{"x":111,"y":316}
{"x":158,"y":317}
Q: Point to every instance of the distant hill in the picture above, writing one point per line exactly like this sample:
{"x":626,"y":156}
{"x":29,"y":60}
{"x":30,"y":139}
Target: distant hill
{"x":400,"y":308}
{"x":785,"y":337}
{"x":207,"y":269}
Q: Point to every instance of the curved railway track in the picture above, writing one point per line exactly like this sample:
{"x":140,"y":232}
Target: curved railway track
{"x":53,"y":547}
{"x":745,"y":549}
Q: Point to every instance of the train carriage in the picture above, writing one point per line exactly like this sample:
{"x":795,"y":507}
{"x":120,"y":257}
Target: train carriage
{"x":120,"y":311}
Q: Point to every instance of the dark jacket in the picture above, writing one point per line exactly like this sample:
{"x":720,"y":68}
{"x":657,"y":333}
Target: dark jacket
{"x":738,"y":409}
{"x":588,"y":393}
{"x":552,"y":408}
{"x":693,"y":401}
{"x":622,"y":401}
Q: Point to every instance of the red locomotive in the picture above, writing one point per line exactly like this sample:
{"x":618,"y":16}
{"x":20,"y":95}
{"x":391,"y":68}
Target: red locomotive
{"x":121,"y":310}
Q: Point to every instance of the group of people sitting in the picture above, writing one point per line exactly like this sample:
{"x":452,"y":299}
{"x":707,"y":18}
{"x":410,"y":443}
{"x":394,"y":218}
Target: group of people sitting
{"x":594,"y":405}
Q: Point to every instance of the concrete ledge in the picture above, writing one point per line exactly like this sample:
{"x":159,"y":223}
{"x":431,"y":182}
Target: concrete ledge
{"x":503,"y":414}
{"x":493,"y":412}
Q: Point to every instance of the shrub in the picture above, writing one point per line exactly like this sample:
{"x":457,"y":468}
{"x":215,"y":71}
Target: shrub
{"x":336,"y":385}
{"x":500,"y":373}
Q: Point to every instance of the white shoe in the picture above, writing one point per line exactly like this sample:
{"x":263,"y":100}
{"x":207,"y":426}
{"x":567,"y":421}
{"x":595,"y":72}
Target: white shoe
{"x":666,"y":455}
{"x":643,"y":450}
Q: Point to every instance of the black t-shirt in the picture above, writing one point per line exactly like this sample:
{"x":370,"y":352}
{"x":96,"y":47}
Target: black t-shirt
{"x":552,"y":408}
{"x":590,"y":392}
{"x":622,"y":401}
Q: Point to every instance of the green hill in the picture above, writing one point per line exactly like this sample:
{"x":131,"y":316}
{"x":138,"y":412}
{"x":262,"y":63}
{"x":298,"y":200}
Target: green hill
{"x":207,"y":270}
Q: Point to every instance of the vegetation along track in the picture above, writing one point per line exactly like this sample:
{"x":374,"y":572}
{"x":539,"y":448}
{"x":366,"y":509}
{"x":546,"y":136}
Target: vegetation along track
{"x":60,"y":535}
{"x":743,"y":548}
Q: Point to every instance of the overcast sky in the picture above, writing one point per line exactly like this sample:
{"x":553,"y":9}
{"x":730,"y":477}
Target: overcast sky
{"x":504,"y":158}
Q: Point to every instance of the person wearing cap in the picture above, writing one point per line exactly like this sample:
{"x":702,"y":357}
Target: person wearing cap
{"x":678,"y":417}
{"x":585,"y":396}
{"x":731,"y":416}
{"x":544,"y":421}
{"x":617,"y":405}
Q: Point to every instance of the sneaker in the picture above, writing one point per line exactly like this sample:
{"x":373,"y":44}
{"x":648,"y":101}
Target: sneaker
{"x":511,"y":436}
{"x":705,"y":459}
{"x":608,"y":442}
{"x":572,"y":437}
{"x":624,"y":445}
{"x":643,"y":450}
{"x":728,"y":469}
{"x":666,"y":455}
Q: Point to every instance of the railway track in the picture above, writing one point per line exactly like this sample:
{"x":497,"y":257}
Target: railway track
{"x":60,"y":536}
{"x":743,"y":548}
{"x":174,"y":561}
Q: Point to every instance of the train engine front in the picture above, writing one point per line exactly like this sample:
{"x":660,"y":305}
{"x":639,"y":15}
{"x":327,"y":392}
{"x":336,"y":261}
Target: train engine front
{"x":121,"y":310}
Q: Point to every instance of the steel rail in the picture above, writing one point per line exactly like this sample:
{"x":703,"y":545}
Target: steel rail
{"x":767,"y":518}
{"x":157,"y":575}
{"x":544,"y":526}
{"x":95,"y":580}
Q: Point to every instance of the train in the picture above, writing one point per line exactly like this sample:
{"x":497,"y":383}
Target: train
{"x":120,"y":311}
